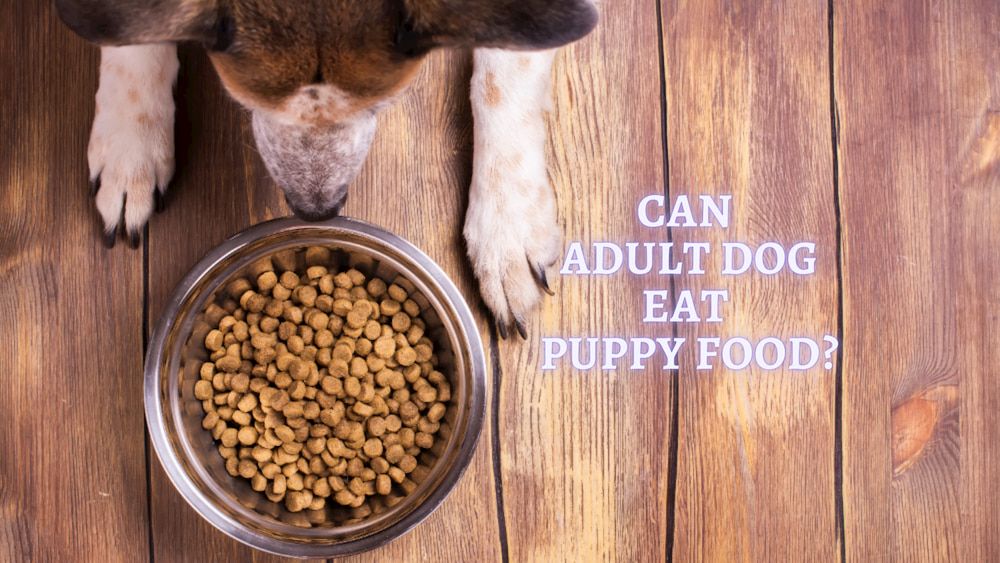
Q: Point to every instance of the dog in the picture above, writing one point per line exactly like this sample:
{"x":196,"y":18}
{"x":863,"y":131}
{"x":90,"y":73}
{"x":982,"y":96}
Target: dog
{"x":314,"y":74}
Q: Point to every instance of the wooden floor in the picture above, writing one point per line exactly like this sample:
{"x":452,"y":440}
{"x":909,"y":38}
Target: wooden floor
{"x":872,"y":128}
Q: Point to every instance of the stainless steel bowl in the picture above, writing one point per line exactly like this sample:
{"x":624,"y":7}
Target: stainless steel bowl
{"x":188,"y":453}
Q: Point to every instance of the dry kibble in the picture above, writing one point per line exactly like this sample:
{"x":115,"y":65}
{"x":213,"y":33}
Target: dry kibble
{"x":341,"y":307}
{"x":284,"y":433}
{"x":373,"y":447}
{"x":406,"y":356}
{"x":344,"y":497}
{"x":436,"y":412}
{"x":203,"y":390}
{"x":376,"y":426}
{"x":427,"y":394}
{"x":210,"y":420}
{"x":229,"y":437}
{"x":376,"y":287}
{"x":396,"y":474}
{"x":389,"y":307}
{"x":393,"y":423}
{"x":267,"y":281}
{"x":296,"y":501}
{"x":397,"y":293}
{"x":363,"y":409}
{"x":240,"y":383}
{"x":408,"y":463}
{"x":352,"y":386}
{"x":290,"y":280}
{"x":317,"y":320}
{"x":383,"y":484}
{"x":424,"y":440}
{"x":247,"y":468}
{"x":228,"y":363}
{"x":247,"y":435}
{"x":384,"y":347}
{"x":247,"y":403}
{"x":394,"y":453}
{"x":213,"y":340}
{"x":358,"y":367}
{"x":401,"y":322}
{"x":262,"y":455}
{"x":321,"y":385}
{"x":411,"y":307}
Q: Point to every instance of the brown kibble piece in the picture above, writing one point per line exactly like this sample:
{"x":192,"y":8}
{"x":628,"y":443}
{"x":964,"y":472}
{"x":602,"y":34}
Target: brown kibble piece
{"x":396,"y":474}
{"x":408,"y":463}
{"x":229,"y":438}
{"x":411,"y":307}
{"x":389,"y":307}
{"x":373,"y":447}
{"x":247,"y":435}
{"x":424,"y":440}
{"x":203,"y":390}
{"x":406,"y":356}
{"x":397,"y":293}
{"x":344,"y":497}
{"x":359,"y":314}
{"x":394,"y":453}
{"x":267,"y":281}
{"x":400,"y":322}
{"x":383,"y":484}
{"x":284,"y":433}
{"x":384,"y":347}
{"x":290,"y":280}
{"x":296,"y":501}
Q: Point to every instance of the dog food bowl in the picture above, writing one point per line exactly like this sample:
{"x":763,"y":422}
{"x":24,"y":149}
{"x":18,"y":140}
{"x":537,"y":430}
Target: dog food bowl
{"x":191,"y":458}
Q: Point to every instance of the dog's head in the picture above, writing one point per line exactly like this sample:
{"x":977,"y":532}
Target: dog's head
{"x":314,"y":73}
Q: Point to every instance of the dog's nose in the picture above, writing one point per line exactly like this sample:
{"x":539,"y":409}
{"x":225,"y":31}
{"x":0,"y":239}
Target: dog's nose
{"x":315,"y":214}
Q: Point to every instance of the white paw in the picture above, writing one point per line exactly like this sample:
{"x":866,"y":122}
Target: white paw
{"x":513,"y":237}
{"x":131,"y":151}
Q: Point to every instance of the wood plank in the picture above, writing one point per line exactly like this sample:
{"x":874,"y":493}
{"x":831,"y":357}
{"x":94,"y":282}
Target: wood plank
{"x":918,"y":94}
{"x":749,"y":114}
{"x":220,"y":188}
{"x":415,"y":184}
{"x":72,"y":468}
{"x":584,"y":456}
{"x":412,"y":184}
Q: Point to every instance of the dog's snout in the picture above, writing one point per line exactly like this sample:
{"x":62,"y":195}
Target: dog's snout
{"x":314,"y":165}
{"x":314,"y":213}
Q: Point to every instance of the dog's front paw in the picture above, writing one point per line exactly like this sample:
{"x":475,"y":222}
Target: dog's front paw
{"x":513,"y":237}
{"x":131,"y":150}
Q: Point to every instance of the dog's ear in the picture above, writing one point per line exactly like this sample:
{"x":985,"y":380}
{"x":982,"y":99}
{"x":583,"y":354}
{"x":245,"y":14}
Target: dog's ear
{"x":130,"y":22}
{"x":510,"y":24}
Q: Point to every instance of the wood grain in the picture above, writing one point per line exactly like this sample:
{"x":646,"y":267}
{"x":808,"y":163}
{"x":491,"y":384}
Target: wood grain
{"x":584,"y":455}
{"x":748,"y":114}
{"x":415,"y":184}
{"x":918,"y":94}
{"x":220,"y":188}
{"x":72,"y":469}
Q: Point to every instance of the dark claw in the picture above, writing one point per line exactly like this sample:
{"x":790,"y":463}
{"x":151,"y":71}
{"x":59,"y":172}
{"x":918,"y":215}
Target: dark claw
{"x":540,"y":277}
{"x":134,"y":238}
{"x":502,"y":330}
{"x":95,"y":186}
{"x":158,"y":204}
{"x":521,"y":329}
{"x":110,"y":237}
